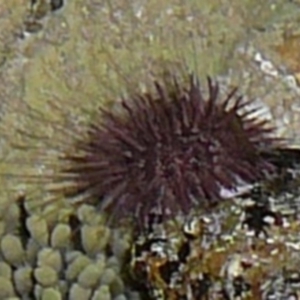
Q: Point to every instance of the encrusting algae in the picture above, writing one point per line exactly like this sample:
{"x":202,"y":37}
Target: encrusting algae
{"x":90,"y":54}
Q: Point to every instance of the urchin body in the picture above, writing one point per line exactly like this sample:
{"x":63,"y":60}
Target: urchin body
{"x":173,"y":149}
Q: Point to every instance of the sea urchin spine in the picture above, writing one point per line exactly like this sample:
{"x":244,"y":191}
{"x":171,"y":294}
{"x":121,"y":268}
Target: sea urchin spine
{"x":174,"y":149}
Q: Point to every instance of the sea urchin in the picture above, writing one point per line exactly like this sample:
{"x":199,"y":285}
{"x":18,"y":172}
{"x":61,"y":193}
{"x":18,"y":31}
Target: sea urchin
{"x":174,"y":149}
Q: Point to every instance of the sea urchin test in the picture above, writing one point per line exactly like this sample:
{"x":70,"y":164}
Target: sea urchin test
{"x":175,"y":148}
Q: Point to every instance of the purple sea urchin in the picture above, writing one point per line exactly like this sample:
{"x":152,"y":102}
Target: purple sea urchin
{"x":174,"y":149}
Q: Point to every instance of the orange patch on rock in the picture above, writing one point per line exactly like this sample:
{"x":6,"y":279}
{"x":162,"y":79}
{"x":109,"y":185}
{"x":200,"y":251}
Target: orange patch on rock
{"x":289,"y":53}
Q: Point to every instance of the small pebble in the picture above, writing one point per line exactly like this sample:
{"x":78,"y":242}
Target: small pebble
{"x":5,"y":270}
{"x":12,"y":249}
{"x":46,"y":276}
{"x":38,"y":290}
{"x":32,"y":250}
{"x":113,"y":263}
{"x":51,"y":214}
{"x":76,"y":267}
{"x":102,"y":293}
{"x":51,"y":294}
{"x":23,"y":280}
{"x":117,"y":286}
{"x":108,"y":276}
{"x":79,"y":293}
{"x":63,"y":287}
{"x":11,"y":217}
{"x":120,"y":246}
{"x":6,"y":288}
{"x":88,"y":215}
{"x":94,"y":238}
{"x":38,"y":229}
{"x":51,"y":258}
{"x":70,"y":256}
{"x":90,"y":275}
{"x":61,"y":235}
